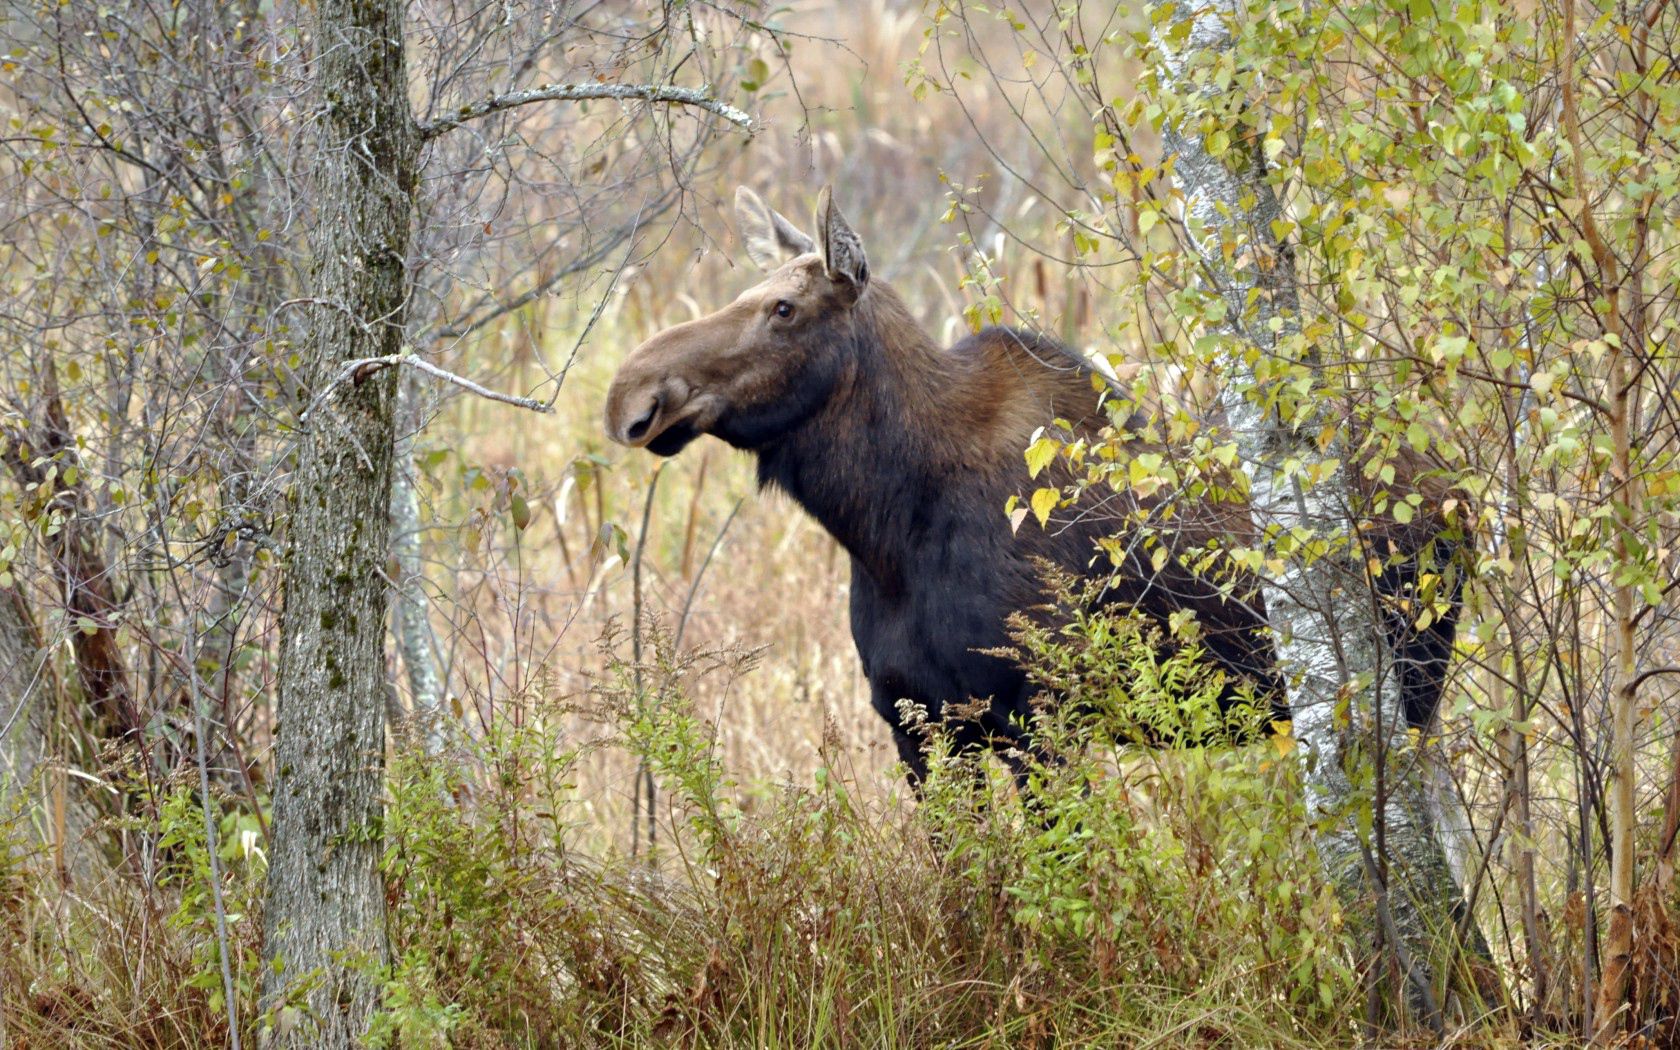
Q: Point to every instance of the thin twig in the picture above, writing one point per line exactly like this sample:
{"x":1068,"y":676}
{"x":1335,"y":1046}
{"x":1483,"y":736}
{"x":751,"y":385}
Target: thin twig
{"x":361,"y":368}
{"x":700,"y":574}
{"x":697,"y":97}
{"x":1416,"y":977}
{"x":1640,"y":678}
{"x":212,"y":847}
{"x":201,"y":731}
{"x":600,"y":307}
{"x":315,"y":300}
{"x":576,"y":266}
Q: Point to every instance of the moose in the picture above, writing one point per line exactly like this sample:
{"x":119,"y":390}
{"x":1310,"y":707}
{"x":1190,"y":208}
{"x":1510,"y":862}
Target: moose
{"x":906,"y":452}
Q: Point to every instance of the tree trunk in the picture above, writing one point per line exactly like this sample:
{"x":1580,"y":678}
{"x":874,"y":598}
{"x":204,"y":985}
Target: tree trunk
{"x":1624,"y":706}
{"x":325,"y":924}
{"x":1327,"y":626}
{"x":413,"y":626}
{"x":28,"y":762}
{"x":22,"y":736}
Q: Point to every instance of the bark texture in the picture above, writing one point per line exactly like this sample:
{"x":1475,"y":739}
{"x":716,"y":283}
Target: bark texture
{"x":33,"y":759}
{"x":1343,"y":691}
{"x":1607,"y":1014}
{"x":326,"y":903}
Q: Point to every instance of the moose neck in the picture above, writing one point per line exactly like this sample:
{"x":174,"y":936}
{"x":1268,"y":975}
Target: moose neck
{"x":880,"y":464}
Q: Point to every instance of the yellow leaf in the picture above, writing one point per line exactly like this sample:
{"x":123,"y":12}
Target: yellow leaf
{"x":1040,"y":454}
{"x":1043,"y":502}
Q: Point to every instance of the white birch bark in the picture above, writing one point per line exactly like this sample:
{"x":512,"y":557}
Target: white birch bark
{"x":413,"y":627}
{"x":1342,"y":688}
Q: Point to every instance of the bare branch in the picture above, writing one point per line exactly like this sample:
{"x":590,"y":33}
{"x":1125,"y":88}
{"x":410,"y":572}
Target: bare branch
{"x":542,"y":287}
{"x":1639,"y":679}
{"x":360,"y":369}
{"x":697,"y":97}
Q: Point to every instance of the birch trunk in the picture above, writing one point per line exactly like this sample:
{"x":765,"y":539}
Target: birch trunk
{"x":1607,"y":1019}
{"x":1611,"y":287}
{"x":413,"y":626}
{"x":325,"y":924}
{"x":1326,"y":622}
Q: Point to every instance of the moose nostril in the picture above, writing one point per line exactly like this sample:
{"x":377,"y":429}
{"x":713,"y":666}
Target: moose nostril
{"x":639,"y":426}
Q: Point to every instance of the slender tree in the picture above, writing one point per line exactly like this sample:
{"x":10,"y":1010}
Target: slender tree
{"x":1327,"y":624}
{"x":229,"y":228}
{"x":326,"y":900}
{"x":325,"y":917}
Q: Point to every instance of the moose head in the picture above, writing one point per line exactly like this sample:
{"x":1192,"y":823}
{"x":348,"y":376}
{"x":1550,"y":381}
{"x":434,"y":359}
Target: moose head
{"x":761,"y":365}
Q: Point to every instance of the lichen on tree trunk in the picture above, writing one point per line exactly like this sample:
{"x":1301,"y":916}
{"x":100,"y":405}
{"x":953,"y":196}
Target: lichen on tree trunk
{"x":325,"y":923}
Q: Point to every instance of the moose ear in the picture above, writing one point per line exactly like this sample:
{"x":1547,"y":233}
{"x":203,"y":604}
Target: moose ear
{"x":842,"y":249}
{"x":771,"y":240}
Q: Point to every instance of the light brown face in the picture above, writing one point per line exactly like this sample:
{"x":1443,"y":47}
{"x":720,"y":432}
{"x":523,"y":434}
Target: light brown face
{"x":761,"y":365}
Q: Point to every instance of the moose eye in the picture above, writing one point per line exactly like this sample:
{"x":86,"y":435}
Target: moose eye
{"x":784,"y":308}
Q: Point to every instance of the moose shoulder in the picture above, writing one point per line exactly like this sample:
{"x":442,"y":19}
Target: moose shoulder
{"x":906,"y":453}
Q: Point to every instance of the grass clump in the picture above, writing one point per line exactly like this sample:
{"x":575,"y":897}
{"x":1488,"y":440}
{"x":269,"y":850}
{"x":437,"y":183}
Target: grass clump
{"x":1161,"y":898}
{"x":130,"y":957}
{"x":1127,"y":897}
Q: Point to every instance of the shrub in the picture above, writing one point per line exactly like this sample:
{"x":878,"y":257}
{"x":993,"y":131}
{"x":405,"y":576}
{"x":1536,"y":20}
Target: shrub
{"x":1125,"y":894}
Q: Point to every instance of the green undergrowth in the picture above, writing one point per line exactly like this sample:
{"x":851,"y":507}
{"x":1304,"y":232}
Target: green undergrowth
{"x":1168,"y":898}
{"x":1132,"y":897}
{"x":113,"y":941}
